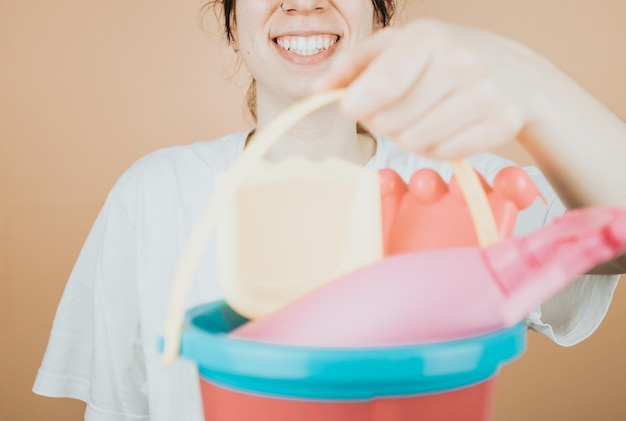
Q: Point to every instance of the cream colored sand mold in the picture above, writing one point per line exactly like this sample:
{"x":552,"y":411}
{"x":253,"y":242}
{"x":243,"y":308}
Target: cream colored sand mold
{"x":292,"y":226}
{"x":229,"y":183}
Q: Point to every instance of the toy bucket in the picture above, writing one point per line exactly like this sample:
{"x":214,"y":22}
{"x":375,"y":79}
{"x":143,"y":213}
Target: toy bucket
{"x":244,"y":380}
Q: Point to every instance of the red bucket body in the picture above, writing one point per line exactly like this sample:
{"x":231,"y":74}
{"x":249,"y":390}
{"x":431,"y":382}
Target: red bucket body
{"x":472,"y":403}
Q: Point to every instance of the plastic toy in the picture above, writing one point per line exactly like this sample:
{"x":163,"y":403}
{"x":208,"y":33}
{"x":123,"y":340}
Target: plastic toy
{"x":430,"y":213}
{"x":292,"y":226}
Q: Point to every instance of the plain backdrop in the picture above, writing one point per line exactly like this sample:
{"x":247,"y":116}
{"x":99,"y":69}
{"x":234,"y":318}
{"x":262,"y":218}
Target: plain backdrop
{"x":87,"y":87}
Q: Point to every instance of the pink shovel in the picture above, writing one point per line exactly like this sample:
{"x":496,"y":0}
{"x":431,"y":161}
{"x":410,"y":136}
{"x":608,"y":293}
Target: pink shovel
{"x":447,"y":293}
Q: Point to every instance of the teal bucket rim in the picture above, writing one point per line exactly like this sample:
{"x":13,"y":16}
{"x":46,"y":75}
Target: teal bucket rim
{"x":339,"y":373}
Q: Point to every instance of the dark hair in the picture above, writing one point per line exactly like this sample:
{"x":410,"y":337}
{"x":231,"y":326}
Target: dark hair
{"x":225,"y":9}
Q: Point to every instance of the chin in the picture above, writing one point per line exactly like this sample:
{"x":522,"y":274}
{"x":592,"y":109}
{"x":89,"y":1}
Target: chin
{"x":300,"y":89}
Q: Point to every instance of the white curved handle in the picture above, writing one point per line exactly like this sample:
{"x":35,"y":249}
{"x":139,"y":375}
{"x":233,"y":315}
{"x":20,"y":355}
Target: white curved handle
{"x":199,"y":236}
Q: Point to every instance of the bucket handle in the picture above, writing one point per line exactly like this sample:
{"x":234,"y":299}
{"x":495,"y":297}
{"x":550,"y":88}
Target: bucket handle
{"x":469,"y":184}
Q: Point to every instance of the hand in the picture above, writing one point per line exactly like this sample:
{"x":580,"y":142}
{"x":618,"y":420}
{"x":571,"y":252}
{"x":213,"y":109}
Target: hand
{"x":438,"y":89}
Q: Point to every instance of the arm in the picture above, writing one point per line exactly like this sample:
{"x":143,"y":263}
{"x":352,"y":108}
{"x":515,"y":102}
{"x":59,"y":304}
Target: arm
{"x":95,"y":351}
{"x":581,"y":147}
{"x":448,"y":91}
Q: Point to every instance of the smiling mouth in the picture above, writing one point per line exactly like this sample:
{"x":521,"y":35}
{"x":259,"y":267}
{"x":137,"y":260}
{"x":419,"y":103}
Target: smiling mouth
{"x":306,"y":46}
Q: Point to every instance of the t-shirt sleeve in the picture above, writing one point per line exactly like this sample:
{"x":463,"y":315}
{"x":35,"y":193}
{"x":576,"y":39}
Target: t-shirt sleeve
{"x":95,"y":349}
{"x":575,"y":312}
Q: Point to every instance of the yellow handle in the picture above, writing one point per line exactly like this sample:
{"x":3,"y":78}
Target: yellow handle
{"x":191,"y":254}
{"x":479,"y":208}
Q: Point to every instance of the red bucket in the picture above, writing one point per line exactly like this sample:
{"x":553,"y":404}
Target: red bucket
{"x":244,"y":380}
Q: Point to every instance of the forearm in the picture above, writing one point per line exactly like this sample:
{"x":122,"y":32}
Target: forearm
{"x":579,"y":143}
{"x":580,"y":146}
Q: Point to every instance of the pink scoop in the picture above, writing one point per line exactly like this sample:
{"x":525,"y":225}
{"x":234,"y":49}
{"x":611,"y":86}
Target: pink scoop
{"x":447,"y":293}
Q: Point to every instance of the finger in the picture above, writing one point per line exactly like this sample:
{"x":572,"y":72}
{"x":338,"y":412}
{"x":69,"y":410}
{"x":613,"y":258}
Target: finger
{"x":433,"y":90}
{"x":349,"y":64}
{"x":423,"y":58}
{"x":451,"y":70}
{"x":479,"y":137}
{"x":460,"y":110}
{"x":397,"y":120}
{"x":388,"y":79}
{"x":451,"y":114}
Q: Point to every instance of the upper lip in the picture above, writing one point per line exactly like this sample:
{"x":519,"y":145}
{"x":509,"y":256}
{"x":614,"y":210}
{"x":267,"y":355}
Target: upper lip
{"x":303,"y":34}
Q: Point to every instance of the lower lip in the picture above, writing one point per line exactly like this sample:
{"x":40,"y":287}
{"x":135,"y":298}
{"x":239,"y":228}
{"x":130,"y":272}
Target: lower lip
{"x":307,"y":60}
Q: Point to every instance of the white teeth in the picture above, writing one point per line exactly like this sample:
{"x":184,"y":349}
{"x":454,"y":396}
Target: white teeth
{"x":301,"y":44}
{"x":307,"y":46}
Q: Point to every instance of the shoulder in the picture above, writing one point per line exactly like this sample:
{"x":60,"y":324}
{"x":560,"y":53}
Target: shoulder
{"x":177,"y":172}
{"x":211,"y":156}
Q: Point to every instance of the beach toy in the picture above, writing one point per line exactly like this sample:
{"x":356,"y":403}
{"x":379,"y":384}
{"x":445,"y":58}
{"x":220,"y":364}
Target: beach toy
{"x":293,"y":225}
{"x":448,"y":293}
{"x":429,"y":213}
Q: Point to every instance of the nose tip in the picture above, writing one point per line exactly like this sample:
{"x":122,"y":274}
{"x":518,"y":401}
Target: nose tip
{"x":303,"y":6}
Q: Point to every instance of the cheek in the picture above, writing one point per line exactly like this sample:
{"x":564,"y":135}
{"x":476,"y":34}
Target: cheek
{"x":360,"y":16}
{"x":250,"y":16}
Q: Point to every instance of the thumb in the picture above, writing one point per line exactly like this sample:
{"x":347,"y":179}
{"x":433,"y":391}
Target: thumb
{"x":350,"y":63}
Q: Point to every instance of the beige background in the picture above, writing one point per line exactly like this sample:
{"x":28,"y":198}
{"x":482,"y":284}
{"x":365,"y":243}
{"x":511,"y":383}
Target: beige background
{"x":88,"y":87}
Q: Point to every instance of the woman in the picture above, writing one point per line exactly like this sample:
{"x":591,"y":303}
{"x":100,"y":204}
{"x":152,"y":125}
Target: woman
{"x":439,"y":90}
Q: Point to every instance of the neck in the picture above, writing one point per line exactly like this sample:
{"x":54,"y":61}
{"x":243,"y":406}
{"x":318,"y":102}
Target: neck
{"x":323,"y":134}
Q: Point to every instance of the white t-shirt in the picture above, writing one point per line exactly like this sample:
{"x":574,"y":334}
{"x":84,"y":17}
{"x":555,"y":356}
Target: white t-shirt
{"x":102,"y":347}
